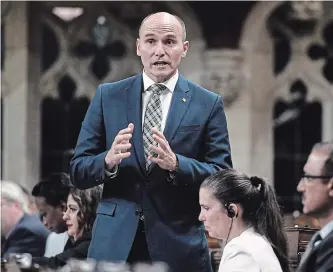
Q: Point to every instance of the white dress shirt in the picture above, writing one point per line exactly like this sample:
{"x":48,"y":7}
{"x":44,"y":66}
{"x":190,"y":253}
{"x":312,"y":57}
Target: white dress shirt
{"x":165,"y":97}
{"x":249,"y":252}
{"x":326,"y":230}
{"x":55,"y":243}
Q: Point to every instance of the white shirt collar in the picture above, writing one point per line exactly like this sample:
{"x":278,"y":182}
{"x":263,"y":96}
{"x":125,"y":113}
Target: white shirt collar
{"x":170,"y":83}
{"x":326,"y":230}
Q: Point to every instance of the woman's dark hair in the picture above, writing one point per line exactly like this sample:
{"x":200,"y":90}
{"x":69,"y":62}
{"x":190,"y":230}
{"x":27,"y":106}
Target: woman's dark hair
{"x":87,"y":201}
{"x":259,"y":203}
{"x":54,"y":189}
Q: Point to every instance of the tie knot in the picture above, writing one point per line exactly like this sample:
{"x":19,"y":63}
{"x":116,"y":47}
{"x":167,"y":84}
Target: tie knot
{"x":157,"y":88}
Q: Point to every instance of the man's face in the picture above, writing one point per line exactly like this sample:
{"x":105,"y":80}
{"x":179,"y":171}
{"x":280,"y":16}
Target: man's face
{"x":8,"y":210}
{"x":51,"y":216}
{"x":317,"y":193}
{"x":161,"y":46}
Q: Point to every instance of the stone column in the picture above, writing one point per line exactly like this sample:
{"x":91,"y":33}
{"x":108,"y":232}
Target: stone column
{"x":21,"y":99}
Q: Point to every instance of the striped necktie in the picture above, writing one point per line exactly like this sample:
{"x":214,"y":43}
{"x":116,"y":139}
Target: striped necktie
{"x":153,"y":118}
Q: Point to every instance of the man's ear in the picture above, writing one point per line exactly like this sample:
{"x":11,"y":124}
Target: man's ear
{"x":138,"y":47}
{"x":186,"y":45}
{"x":330,"y":186}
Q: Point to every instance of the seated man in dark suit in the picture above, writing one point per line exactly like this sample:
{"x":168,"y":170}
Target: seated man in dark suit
{"x":317,"y":197}
{"x":23,"y":233}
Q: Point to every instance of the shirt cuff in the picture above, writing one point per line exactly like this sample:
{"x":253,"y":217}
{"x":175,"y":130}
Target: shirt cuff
{"x":113,"y":173}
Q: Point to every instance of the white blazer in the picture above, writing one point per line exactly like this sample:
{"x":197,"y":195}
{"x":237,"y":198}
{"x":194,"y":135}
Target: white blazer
{"x":249,"y":252}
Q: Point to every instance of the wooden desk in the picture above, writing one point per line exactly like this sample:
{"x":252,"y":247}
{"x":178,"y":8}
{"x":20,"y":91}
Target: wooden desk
{"x":298,"y":238}
{"x":215,"y":252}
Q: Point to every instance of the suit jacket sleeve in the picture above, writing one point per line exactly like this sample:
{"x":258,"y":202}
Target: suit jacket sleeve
{"x":25,"y":241}
{"x":215,"y":150}
{"x":86,"y":166}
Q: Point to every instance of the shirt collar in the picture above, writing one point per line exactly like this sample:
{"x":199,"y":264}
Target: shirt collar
{"x":326,"y":230}
{"x":170,"y":83}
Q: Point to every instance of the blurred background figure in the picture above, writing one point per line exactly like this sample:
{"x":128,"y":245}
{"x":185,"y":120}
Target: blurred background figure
{"x":32,"y":208}
{"x":79,"y":216}
{"x":316,"y":188}
{"x":51,"y":197}
{"x":244,"y":212}
{"x":23,"y":233}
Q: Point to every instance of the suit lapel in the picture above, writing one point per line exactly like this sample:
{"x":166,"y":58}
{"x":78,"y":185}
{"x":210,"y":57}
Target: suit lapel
{"x":180,"y":100}
{"x":179,"y":103}
{"x":307,"y":260}
{"x":134,"y":115}
{"x":310,"y":254}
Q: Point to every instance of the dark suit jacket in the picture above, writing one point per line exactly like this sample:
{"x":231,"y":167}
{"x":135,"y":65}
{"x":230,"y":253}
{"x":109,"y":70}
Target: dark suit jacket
{"x":28,"y":236}
{"x":321,"y":257}
{"x":196,"y":130}
{"x":75,"y":250}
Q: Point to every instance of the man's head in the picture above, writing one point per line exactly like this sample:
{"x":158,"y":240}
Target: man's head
{"x":51,"y":198}
{"x":161,"y":45}
{"x":30,"y":201}
{"x":317,"y":184}
{"x":13,"y":205}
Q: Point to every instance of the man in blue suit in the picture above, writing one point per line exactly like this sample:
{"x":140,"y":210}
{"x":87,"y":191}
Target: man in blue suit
{"x":152,"y":139}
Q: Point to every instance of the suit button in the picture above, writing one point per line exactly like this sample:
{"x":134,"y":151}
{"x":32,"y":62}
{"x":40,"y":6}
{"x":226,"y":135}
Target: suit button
{"x":137,"y":212}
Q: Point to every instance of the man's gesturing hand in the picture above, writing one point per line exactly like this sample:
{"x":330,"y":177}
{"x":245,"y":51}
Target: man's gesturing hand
{"x":166,"y":158}
{"x":120,"y":145}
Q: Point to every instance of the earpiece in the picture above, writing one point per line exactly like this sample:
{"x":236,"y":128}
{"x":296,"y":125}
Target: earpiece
{"x":231,"y":214}
{"x":230,"y":210}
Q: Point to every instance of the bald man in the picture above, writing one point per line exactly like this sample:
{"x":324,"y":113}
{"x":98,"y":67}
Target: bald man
{"x":152,"y":139}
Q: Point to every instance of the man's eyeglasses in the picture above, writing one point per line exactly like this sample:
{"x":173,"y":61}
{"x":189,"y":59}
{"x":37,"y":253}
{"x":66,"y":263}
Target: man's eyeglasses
{"x":311,"y":177}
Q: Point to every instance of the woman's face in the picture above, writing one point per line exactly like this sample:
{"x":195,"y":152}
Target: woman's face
{"x":213,"y":215}
{"x":71,"y":218}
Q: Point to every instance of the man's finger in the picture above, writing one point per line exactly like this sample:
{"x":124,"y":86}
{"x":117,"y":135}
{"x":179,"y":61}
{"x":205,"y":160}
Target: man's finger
{"x":119,"y":148}
{"x":158,"y":133}
{"x":118,"y":157}
{"x":155,"y":160}
{"x":160,"y":152}
{"x":162,"y":142}
{"x":131,"y":126}
{"x":129,"y":129}
{"x":124,"y":138}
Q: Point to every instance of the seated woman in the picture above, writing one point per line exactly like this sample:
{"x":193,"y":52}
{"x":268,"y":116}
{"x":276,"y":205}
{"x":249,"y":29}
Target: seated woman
{"x":243,"y":211}
{"x":79,"y":216}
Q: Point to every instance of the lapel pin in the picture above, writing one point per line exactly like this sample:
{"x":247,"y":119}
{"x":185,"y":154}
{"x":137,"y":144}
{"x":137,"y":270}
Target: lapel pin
{"x":184,"y":100}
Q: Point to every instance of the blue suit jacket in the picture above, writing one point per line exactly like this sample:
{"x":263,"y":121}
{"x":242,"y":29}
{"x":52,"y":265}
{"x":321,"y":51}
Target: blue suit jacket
{"x":320,"y":258}
{"x":196,"y":130}
{"x":28,"y":236}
